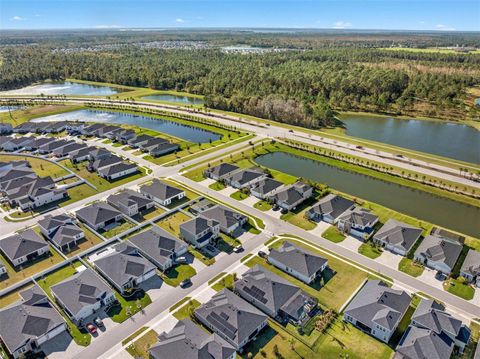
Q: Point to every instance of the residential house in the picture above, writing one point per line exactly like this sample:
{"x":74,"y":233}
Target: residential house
{"x":199,"y":231}
{"x":159,"y":247}
{"x":377,"y":309}
{"x":52,"y":146}
{"x":275,"y":296}
{"x":161,"y":192}
{"x":104,"y":131}
{"x":221,"y":171}
{"x":471,"y":267}
{"x":29,"y":323}
{"x":66,"y":150}
{"x":265,"y":188}
{"x":80,"y":155}
{"x":99,"y":154}
{"x":50,"y":224}
{"x":329,"y":208}
{"x":82,"y":295}
{"x":151,"y":143}
{"x":89,"y":130}
{"x":201,"y":206}
{"x":298,"y":262}
{"x":10,"y":175}
{"x":230,"y":220}
{"x":62,"y":231}
{"x":186,"y":340}
{"x":358,"y":222}
{"x":99,"y":215}
{"x":123,"y":266}
{"x":438,"y":253}
{"x":117,"y":171}
{"x":130,"y":202}
{"x":163,"y":149}
{"x":244,"y":178}
{"x":397,"y":237}
{"x":139,"y":140}
{"x":5,"y":128}
{"x":124,"y":135}
{"x":419,"y":343}
{"x":232,"y":318}
{"x":3,"y":268}
{"x":101,"y":163}
{"x":16,"y":143}
{"x":289,"y":198}
{"x":39,"y":142}
{"x":23,"y":247}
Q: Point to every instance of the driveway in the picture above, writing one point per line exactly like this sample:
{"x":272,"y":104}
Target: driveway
{"x":207,"y":182}
{"x":351,"y":243}
{"x":227,"y":191}
{"x":250,"y":201}
{"x":428,"y":277}
{"x":389,"y":259}
{"x":155,"y":287}
{"x":320,"y":228}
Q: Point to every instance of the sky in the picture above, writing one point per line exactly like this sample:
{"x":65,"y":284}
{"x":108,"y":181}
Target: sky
{"x":438,"y":15}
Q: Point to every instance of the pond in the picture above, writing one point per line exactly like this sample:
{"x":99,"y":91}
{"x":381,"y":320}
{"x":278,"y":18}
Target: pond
{"x":10,"y":108}
{"x":442,"y":211}
{"x":446,"y":139}
{"x":185,"y":132}
{"x":64,"y":88}
{"x":189,"y":100}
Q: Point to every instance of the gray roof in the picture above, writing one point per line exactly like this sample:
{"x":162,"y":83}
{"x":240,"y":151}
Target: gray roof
{"x":471,"y":264}
{"x":299,"y":259}
{"x":332,"y":204}
{"x":106,"y":161}
{"x":231,"y":316}
{"x":440,"y":249}
{"x":123,"y":264}
{"x":22,"y":244}
{"x":160,"y":190}
{"x":117,"y":168}
{"x":477,"y":352}
{"x":419,"y":343}
{"x":245,"y":175}
{"x":51,"y":222}
{"x":376,"y":303}
{"x":187,"y":340}
{"x":81,"y":152}
{"x":198,"y":224}
{"x":261,"y":286}
{"x":99,"y":151}
{"x":225,"y":216}
{"x":431,"y":315}
{"x":222,"y":169}
{"x":66,"y":234}
{"x":157,"y":244}
{"x":289,"y":195}
{"x":398,"y":234}
{"x":28,"y":319}
{"x":128,"y":198}
{"x":267,"y":185}
{"x":97,"y":213}
{"x":80,"y":290}
{"x":359,"y":216}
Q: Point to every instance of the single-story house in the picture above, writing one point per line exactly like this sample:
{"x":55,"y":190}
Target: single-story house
{"x":17,"y":143}
{"x":419,"y":343}
{"x":199,"y":231}
{"x":290,"y":197}
{"x":97,"y":165}
{"x":358,"y":222}
{"x":298,"y":262}
{"x":130,"y":202}
{"x":137,"y":141}
{"x":80,"y":155}
{"x":29,"y":323}
{"x":23,"y":247}
{"x":118,"y":170}
{"x":161,"y":192}
{"x":89,"y":130}
{"x":329,"y":208}
{"x":39,"y":142}
{"x":66,"y":150}
{"x":397,"y":237}
{"x":229,"y":219}
{"x":99,"y":154}
{"x":5,"y":128}
{"x":201,"y":206}
{"x":151,"y":143}
{"x":244,"y":178}
{"x":49,"y":224}
{"x":377,"y":309}
{"x":221,"y":171}
{"x":99,"y":215}
{"x":163,"y":149}
{"x":52,"y":146}
{"x":438,"y":253}
{"x":265,"y":188}
{"x":232,"y":318}
{"x":66,"y":237}
{"x":125,"y":135}
{"x":82,"y":295}
{"x":471,"y":267}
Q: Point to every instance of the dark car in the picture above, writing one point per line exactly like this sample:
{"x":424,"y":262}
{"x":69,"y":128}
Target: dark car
{"x":359,"y":147}
{"x":262,"y":254}
{"x":291,"y":131}
{"x":91,"y":328}
{"x":186,"y":283}
{"x":238,"y":249}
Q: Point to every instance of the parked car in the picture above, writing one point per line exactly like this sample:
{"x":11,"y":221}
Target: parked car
{"x":186,"y":283}
{"x":291,"y":131}
{"x":98,"y":322}
{"x":440,"y":276}
{"x":181,"y":260}
{"x":238,"y":249}
{"x":91,"y":328}
{"x":359,"y":147}
{"x":262,"y":254}
{"x":401,"y":156}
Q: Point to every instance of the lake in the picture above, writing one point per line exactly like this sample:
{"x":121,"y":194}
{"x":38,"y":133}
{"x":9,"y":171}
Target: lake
{"x":64,"y":88}
{"x":442,"y":211}
{"x":185,"y":132}
{"x":10,"y":108}
{"x":175,"y":98}
{"x":457,"y":141}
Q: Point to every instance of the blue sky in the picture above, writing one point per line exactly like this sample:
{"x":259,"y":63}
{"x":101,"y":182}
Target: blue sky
{"x":441,"y":15}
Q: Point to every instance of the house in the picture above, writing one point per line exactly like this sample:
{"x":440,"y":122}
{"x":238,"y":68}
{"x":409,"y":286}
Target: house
{"x":159,"y":247}
{"x":358,"y":222}
{"x":66,"y":150}
{"x":199,"y":231}
{"x":53,"y":127}
{"x":162,"y":192}
{"x":298,"y":262}
{"x":124,"y":135}
{"x":186,"y":340}
{"x":3,"y":268}
{"x":440,"y":232}
{"x":431,"y":315}
{"x":5,"y":128}
{"x":438,"y":253}
{"x":50,"y":224}
{"x":123,"y":267}
{"x":16,"y":143}
{"x":221,"y":171}
{"x":29,"y":323}
{"x":139,"y":140}
{"x":244,"y":178}
{"x":329,"y":208}
{"x":91,"y":129}
{"x":117,"y":171}
{"x":265,"y":188}
{"x":82,"y":295}
{"x":419,"y":343}
{"x":201,"y":206}
{"x":293,"y":195}
{"x":99,"y":215}
{"x":23,"y":247}
{"x":104,"y":131}
{"x":39,"y":142}
{"x":397,"y":237}
{"x":99,"y":154}
{"x":97,"y":165}
{"x":52,"y":146}
{"x":163,"y":149}
{"x":151,"y":143}
{"x":377,"y":309}
{"x":67,"y":237}
{"x":229,"y":220}
{"x":275,"y":296}
{"x":232,"y":318}
{"x":130,"y":202}
{"x":471,"y":267}
{"x":10,"y":175}
{"x":80,"y":155}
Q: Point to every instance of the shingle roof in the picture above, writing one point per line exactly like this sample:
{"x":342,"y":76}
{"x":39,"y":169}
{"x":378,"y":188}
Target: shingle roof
{"x":430,"y":314}
{"x":51,"y":222}
{"x":471,"y":264}
{"x":245,"y":175}
{"x":267,"y":185}
{"x":160,"y":190}
{"x":418,"y":343}
{"x":128,"y":198}
{"x":105,"y":162}
{"x":22,"y":244}
{"x":439,"y":249}
{"x":97,"y":213}
{"x":116,"y":168}
{"x":187,"y":340}
{"x":359,"y":216}
{"x":225,"y":216}
{"x":198,"y":224}
{"x":398,"y":234}
{"x":332,"y":204}
{"x":299,"y":259}
{"x":222,"y":169}
{"x":66,"y":234}
{"x":231,"y":316}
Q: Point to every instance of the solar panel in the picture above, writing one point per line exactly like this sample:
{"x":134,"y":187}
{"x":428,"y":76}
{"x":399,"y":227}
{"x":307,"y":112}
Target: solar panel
{"x":256,"y":293}
{"x":86,"y":289}
{"x":222,"y":325}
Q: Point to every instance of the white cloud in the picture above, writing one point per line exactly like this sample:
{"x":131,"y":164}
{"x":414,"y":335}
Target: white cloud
{"x":442,"y":27}
{"x":179,"y":20}
{"x":342,"y":25}
{"x":107,"y":26}
{"x":37,"y":15}
{"x":18,"y":18}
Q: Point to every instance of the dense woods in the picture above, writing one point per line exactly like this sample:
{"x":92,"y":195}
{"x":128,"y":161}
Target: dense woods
{"x":296,"y":86}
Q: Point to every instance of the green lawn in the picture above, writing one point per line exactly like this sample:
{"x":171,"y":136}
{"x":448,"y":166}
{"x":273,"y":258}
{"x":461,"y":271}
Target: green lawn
{"x":410,"y":267}
{"x":128,"y":307}
{"x":41,"y":167}
{"x":368,"y":249}
{"x":207,"y":260}
{"x":150,"y":214}
{"x":179,"y":304}
{"x":140,"y":348}
{"x":239,"y":195}
{"x":118,"y":229}
{"x":172,"y":222}
{"x":459,"y":288}
{"x":299,"y":220}
{"x":217,"y":186}
{"x":333,"y":234}
{"x":175,"y":275}
{"x":262,"y":206}
{"x":186,"y":310}
{"x":225,"y":282}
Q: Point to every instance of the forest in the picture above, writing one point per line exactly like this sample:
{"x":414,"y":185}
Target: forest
{"x":300,"y":85}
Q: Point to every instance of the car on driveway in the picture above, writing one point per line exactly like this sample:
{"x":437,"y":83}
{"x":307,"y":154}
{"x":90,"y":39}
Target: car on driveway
{"x":98,"y":322}
{"x":91,"y":328}
{"x":262,"y":254}
{"x":238,"y":249}
{"x":181,"y":260}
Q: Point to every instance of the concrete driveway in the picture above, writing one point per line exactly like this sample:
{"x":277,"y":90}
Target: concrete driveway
{"x":389,"y":259}
{"x":227,"y":191}
{"x":351,"y":243}
{"x":320,"y":228}
{"x":428,"y":277}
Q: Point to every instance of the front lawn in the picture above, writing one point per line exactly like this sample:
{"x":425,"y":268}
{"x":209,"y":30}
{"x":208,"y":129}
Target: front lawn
{"x":91,"y":239}
{"x":127,"y":307}
{"x":225,"y":282}
{"x":262,"y":206}
{"x":185,"y":311}
{"x":410,"y":267}
{"x":333,"y":234}
{"x":175,"y":275}
{"x":368,"y":249}
{"x":299,"y":220}
{"x":140,"y":348}
{"x":217,"y":186}
{"x":239,"y":195}
{"x":459,"y":288}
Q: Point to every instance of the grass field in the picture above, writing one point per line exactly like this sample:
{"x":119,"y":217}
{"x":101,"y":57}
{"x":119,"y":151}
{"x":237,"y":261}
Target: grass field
{"x":185,"y":311}
{"x":459,"y":288}
{"x":333,"y":234}
{"x":368,"y":249}
{"x":239,"y":195}
{"x":263,"y":206}
{"x":139,"y":349}
{"x":128,"y":307}
{"x":408,"y":266}
{"x":42,"y":168}
{"x":171,"y":223}
{"x":217,"y":186}
{"x":175,"y":275}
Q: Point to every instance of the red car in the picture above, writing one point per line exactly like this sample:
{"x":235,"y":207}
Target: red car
{"x":91,"y":328}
